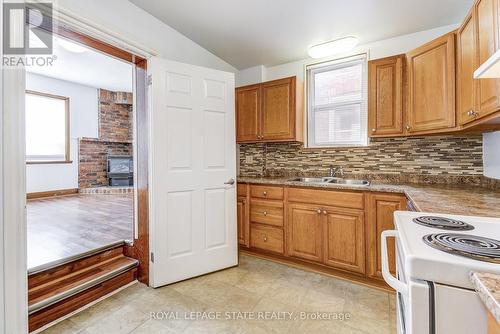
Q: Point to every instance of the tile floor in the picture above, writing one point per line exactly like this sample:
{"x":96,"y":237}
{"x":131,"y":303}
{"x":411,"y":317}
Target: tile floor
{"x":255,"y":286}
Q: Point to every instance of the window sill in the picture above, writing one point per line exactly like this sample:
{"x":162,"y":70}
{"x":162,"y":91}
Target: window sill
{"x":49,"y":162}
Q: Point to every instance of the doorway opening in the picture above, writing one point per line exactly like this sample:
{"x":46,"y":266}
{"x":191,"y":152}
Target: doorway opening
{"x":79,"y":154}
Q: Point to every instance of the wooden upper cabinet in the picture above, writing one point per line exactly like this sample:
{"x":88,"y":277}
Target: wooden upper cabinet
{"x":466,"y":64}
{"x":487,"y":27}
{"x":278,"y":104}
{"x":431,"y":86}
{"x":270,"y":112}
{"x":305,"y":231}
{"x":385,"y":96}
{"x":248,"y":113}
{"x":344,"y":239}
{"x":380,"y":217}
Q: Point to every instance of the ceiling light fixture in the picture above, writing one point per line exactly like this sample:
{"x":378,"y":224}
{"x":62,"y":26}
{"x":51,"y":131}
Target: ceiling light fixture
{"x":333,"y":47}
{"x":70,"y":46}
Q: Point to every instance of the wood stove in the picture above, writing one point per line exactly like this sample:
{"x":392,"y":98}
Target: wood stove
{"x":120,"y":170}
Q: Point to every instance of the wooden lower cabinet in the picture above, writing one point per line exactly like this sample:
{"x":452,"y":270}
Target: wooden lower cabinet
{"x":344,"y":239}
{"x":333,"y":230}
{"x":305,"y":230}
{"x":266,"y":238}
{"x":243,"y":222}
{"x":380,"y":209}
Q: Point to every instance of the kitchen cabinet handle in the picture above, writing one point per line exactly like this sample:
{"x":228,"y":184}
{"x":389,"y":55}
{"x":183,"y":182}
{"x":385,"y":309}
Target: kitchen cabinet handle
{"x":391,"y":280}
{"x":264,"y":213}
{"x":408,"y":127}
{"x":324,"y":212}
{"x":264,"y":193}
{"x":265,"y":238}
{"x":318,"y":211}
{"x":373,"y":130}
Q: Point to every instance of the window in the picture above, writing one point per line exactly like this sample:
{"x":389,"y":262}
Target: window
{"x":47,"y":128}
{"x":337,"y":103}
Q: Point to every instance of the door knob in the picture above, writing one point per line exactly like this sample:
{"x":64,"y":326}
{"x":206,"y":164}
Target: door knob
{"x":230,"y":182}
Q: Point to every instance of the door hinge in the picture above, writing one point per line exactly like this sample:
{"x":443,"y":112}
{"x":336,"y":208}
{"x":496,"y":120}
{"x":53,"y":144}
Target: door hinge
{"x":149,"y":80}
{"x":152,"y":257}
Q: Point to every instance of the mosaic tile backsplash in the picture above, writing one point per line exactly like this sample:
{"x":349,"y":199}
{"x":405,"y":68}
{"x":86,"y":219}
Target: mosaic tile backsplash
{"x":431,"y":156}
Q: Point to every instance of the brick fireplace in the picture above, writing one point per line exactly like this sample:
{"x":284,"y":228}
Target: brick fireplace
{"x":115,"y":138}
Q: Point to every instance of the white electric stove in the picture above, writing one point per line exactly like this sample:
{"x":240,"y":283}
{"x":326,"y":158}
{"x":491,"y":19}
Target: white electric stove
{"x":435,"y":254}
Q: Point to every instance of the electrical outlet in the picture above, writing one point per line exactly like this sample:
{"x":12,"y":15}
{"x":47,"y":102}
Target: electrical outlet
{"x":249,"y":159}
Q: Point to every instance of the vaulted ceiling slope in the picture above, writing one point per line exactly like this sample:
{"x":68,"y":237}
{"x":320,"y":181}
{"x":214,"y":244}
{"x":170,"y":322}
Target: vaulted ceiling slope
{"x":270,"y":32}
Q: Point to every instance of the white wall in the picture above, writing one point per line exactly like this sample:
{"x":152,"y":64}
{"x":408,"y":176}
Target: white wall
{"x":380,"y":49}
{"x":491,"y":154}
{"x":124,"y":18}
{"x":83,"y":107}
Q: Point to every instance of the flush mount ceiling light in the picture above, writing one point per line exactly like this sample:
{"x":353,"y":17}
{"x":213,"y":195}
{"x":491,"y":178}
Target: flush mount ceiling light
{"x":333,"y":47}
{"x":70,"y":46}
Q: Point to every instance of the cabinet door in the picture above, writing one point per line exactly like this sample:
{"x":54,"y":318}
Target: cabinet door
{"x":385,"y":96}
{"x":278,"y":109}
{"x":431,"y":86}
{"x":466,"y":58}
{"x":380,"y":210}
{"x":243,"y":222}
{"x":305,"y":232}
{"x":488,"y":90}
{"x":344,"y":239}
{"x":248,"y":105}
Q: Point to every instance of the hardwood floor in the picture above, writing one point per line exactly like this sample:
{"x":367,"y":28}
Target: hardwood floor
{"x":60,"y":227}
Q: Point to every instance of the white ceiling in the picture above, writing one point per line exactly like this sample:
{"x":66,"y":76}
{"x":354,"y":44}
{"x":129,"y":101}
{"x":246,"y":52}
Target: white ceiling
{"x":90,"y":68}
{"x":246,"y":33}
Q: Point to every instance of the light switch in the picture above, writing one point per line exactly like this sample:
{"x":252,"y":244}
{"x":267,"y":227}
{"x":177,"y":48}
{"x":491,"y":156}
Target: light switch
{"x":249,"y":159}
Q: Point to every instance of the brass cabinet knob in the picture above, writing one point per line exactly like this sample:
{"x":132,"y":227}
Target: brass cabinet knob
{"x":373,"y":130}
{"x":265,"y":238}
{"x":324,"y":212}
{"x":264,"y":213}
{"x":318,"y":211}
{"x":408,"y":127}
{"x":264,"y":193}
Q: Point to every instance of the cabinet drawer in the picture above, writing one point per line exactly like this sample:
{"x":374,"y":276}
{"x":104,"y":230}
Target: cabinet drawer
{"x":268,"y":192}
{"x":241,"y":189}
{"x":327,"y":197}
{"x":266,"y":237}
{"x":266,"y":212}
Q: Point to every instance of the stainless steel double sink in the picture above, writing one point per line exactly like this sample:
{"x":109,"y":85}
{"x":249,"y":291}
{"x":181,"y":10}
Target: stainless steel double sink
{"x":331,"y":180}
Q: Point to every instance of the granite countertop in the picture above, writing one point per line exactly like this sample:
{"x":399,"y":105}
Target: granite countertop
{"x":488,"y":289}
{"x":463,"y":199}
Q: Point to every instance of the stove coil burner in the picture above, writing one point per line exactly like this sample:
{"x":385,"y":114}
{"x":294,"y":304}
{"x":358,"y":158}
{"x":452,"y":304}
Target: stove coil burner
{"x":443,"y":223}
{"x":470,"y":246}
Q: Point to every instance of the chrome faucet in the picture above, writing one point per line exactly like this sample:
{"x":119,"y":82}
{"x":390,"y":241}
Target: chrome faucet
{"x":336,"y":170}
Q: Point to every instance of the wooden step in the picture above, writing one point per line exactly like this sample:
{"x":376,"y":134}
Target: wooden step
{"x":64,"y":289}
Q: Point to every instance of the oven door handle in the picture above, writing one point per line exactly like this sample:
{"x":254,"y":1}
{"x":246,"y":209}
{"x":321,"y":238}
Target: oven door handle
{"x":391,"y":280}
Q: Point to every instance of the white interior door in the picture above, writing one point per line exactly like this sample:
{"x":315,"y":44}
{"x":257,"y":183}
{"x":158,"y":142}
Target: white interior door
{"x":193,"y":158}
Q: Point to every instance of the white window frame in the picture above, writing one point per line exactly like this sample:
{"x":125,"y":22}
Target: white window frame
{"x":313,"y":68}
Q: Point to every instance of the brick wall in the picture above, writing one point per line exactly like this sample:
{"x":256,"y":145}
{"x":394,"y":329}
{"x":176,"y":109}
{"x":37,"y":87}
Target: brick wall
{"x":115,"y":138}
{"x":437,"y":155}
{"x":115,"y":115}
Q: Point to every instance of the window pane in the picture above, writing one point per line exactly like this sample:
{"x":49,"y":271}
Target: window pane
{"x":45,"y":128}
{"x":339,"y":125}
{"x":338,"y":84}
